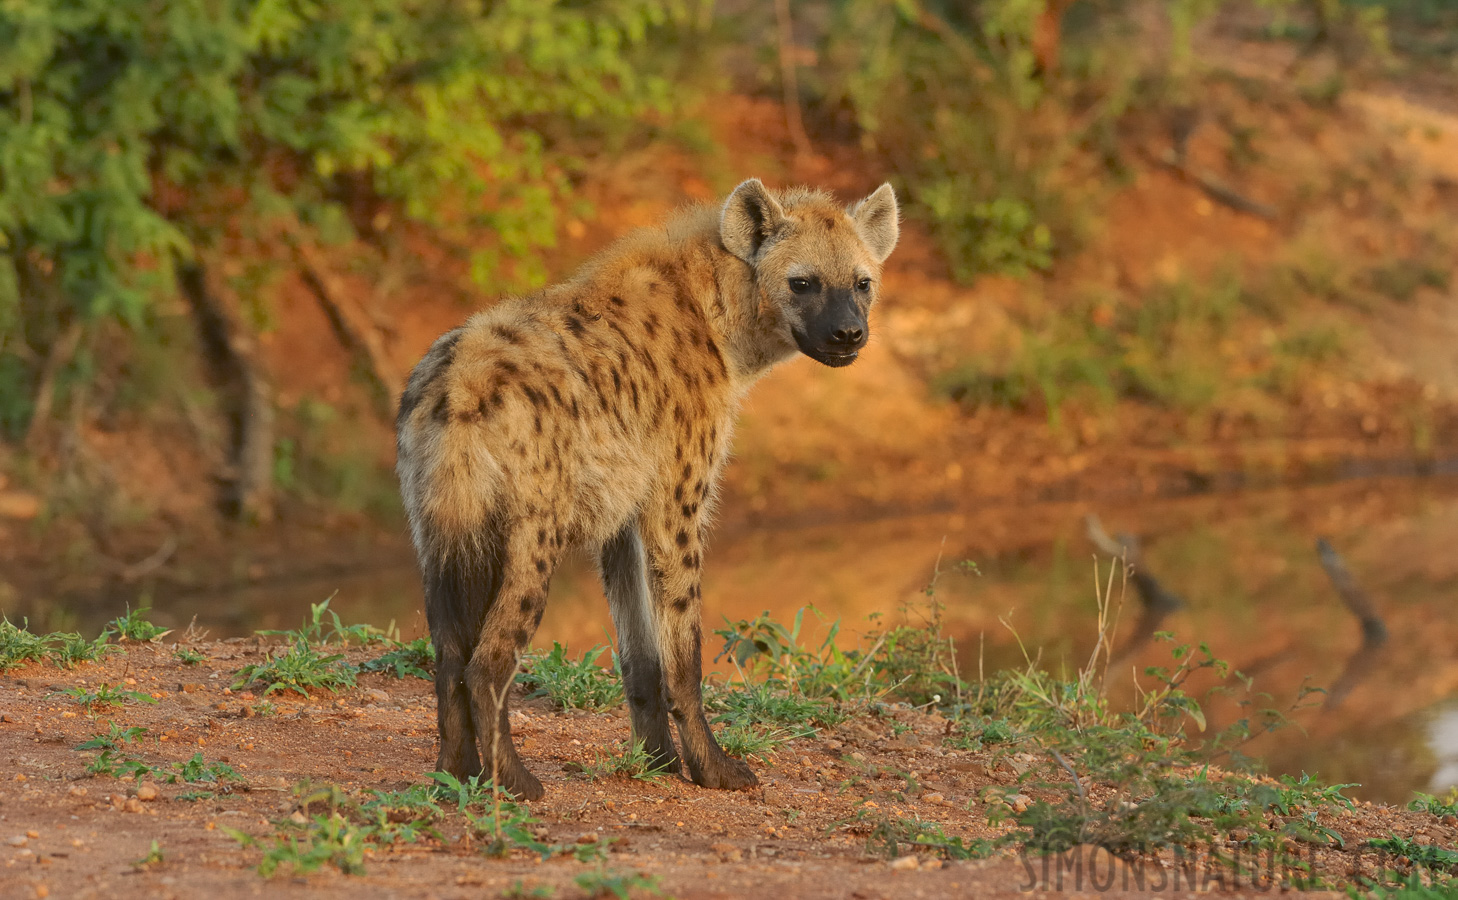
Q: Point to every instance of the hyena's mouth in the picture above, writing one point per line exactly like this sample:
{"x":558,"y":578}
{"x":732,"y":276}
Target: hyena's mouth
{"x":832,"y":355}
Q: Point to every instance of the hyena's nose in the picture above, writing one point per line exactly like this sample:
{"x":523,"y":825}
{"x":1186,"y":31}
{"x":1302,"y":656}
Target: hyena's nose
{"x":852,"y":335}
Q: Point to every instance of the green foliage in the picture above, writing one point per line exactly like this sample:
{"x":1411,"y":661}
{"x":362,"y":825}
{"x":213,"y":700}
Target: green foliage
{"x":302,"y":666}
{"x":299,"y":668}
{"x":748,"y":741}
{"x":104,"y":695}
{"x":18,"y":645}
{"x":630,"y":761}
{"x":891,"y":836}
{"x":1427,"y":803}
{"x":603,"y":882}
{"x":114,"y":738}
{"x":404,"y":658}
{"x":71,"y":650}
{"x":312,"y":630}
{"x":454,"y":112}
{"x":134,"y":626}
{"x":188,"y":656}
{"x":154,"y":857}
{"x":1430,"y":856}
{"x":579,"y":684}
{"x":195,"y":770}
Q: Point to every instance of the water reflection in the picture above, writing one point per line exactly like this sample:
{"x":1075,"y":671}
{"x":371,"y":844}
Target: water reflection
{"x":1245,"y":567}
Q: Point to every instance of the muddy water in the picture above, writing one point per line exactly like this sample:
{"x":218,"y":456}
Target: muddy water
{"x":1244,"y":566}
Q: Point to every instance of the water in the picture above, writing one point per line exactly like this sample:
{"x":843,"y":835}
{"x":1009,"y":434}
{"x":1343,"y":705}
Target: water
{"x":1244,"y":565}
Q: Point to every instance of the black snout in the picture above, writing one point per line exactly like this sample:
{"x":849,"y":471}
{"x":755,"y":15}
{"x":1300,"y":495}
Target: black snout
{"x":835,"y":334}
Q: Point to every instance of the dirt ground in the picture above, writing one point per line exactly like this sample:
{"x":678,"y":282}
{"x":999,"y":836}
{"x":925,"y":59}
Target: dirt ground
{"x":64,"y":833}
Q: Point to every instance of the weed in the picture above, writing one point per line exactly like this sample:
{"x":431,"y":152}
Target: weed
{"x":114,"y":738}
{"x":104,"y":695}
{"x":1430,"y":856}
{"x":747,"y":741}
{"x":300,"y":668}
{"x":154,"y":857}
{"x":197,"y":770}
{"x":891,"y":836}
{"x":187,"y":656}
{"x":1448,"y":806}
{"x":519,"y":891}
{"x":573,"y":685}
{"x":134,"y":626}
{"x":323,"y":839}
{"x":195,"y":796}
{"x":71,"y":650}
{"x":603,"y":882}
{"x":191,"y":771}
{"x":756,"y":702}
{"x":109,"y":765}
{"x":18,"y":645}
{"x":265,"y":708}
{"x":313,"y":630}
{"x":415,"y":658}
{"x":980,"y":732}
{"x":631,"y":761}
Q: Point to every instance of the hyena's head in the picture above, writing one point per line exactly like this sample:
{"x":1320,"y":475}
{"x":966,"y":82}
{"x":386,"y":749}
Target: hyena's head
{"x":817,"y":264}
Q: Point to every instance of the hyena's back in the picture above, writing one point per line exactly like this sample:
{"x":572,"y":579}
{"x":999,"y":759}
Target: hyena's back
{"x":571,"y":405}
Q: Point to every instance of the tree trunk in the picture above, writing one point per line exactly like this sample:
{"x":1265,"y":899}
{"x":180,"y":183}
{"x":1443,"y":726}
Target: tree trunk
{"x":233,"y":365}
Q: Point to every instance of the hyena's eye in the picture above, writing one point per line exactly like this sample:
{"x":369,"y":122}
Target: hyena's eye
{"x":801,"y":285}
{"x":863,"y":285}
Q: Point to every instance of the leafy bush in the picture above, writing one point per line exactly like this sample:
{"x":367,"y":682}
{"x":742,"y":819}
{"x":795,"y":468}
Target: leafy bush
{"x":128,"y":136}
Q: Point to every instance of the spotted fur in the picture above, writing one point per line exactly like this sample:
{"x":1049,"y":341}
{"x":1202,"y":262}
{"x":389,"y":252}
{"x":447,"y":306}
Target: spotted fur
{"x":598,"y":413}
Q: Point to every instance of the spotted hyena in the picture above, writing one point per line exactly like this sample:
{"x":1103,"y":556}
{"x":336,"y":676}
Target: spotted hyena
{"x":598,"y":413}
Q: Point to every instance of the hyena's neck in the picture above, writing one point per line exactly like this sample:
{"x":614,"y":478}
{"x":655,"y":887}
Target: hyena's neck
{"x":746,"y":328}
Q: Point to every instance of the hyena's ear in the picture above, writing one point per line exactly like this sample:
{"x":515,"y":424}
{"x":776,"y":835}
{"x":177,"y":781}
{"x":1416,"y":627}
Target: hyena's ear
{"x":750,"y":218}
{"x":879,"y":221}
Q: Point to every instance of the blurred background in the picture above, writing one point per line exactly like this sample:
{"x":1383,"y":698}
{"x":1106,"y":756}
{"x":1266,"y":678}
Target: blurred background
{"x":1186,"y":266}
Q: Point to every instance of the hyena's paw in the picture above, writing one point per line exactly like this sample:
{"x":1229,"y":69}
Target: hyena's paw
{"x":523,"y":784}
{"x":727,"y":774}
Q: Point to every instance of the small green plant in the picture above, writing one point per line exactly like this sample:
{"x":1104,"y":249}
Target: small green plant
{"x":154,"y":857}
{"x":604,"y":882}
{"x":195,"y":796}
{"x":197,"y":770}
{"x":300,"y":668}
{"x":415,"y":658}
{"x":313,"y":630}
{"x":71,"y":650}
{"x":891,"y":836}
{"x":1429,"y":856}
{"x":1427,"y":803}
{"x":133,"y":625}
{"x":18,"y":645}
{"x":325,"y":839}
{"x":104,"y":695}
{"x":747,"y":741}
{"x":580,"y":684}
{"x":114,"y":738}
{"x":519,"y":891}
{"x":755,"y":702}
{"x":631,"y":761}
{"x":188,"y":656}
{"x":108,"y":764}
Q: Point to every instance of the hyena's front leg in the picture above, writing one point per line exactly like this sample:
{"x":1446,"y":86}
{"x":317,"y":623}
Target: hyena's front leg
{"x":531,"y":552}
{"x":674,"y":546}
{"x":624,"y":579}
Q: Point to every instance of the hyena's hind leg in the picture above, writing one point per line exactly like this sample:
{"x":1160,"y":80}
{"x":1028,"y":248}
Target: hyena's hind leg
{"x":625,"y":580}
{"x":459,"y":588}
{"x":530,"y":549}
